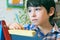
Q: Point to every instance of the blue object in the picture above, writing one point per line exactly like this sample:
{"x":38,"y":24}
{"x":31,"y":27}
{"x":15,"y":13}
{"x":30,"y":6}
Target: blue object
{"x":1,"y":32}
{"x":18,"y":37}
{"x":29,"y":26}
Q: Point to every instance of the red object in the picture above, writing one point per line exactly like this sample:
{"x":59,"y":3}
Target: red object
{"x":5,"y":31}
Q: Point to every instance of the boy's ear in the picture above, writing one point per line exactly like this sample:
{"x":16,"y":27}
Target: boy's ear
{"x":51,"y":11}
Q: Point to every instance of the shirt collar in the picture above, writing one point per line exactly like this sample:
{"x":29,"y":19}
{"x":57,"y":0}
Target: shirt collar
{"x":55,"y":29}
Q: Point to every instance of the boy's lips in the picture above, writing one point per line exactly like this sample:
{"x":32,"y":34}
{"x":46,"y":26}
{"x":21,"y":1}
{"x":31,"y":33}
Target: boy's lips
{"x":34,"y":19}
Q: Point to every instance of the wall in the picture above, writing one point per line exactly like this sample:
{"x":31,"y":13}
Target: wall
{"x":7,"y":14}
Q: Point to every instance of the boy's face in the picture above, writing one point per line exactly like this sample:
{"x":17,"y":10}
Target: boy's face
{"x":38,"y":15}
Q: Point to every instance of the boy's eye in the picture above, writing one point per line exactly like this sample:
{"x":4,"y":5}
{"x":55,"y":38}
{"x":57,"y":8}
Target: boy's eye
{"x":29,"y":10}
{"x":37,"y":9}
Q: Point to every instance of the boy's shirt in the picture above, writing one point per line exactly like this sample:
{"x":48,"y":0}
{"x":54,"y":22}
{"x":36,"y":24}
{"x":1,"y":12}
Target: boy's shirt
{"x":52,"y":35}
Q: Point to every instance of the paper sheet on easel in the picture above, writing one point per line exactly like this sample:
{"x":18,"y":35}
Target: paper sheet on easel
{"x":22,"y":32}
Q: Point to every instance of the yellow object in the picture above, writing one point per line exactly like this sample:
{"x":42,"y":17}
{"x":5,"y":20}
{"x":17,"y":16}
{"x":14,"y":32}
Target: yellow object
{"x":15,"y":1}
{"x":9,"y":9}
{"x":29,"y":33}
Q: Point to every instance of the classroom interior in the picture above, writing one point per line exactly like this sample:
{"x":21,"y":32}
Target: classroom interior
{"x":17,"y":13}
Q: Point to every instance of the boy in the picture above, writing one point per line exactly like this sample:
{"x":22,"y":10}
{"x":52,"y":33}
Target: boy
{"x":41,"y":13}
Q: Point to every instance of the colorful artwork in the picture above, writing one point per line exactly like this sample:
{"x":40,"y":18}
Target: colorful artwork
{"x":15,"y":3}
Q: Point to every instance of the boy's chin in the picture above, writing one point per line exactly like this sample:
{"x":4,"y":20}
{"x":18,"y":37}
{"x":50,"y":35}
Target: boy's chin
{"x":35,"y":23}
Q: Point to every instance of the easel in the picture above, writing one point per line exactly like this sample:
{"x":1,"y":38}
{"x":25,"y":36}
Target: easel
{"x":4,"y":34}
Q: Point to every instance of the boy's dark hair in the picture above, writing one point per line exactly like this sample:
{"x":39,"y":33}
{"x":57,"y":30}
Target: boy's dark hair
{"x":45,"y":3}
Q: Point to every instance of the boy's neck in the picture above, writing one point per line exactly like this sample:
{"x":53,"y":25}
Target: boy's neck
{"x":46,"y":28}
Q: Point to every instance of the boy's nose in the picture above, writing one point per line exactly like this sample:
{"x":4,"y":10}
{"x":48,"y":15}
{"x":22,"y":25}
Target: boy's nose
{"x":33,"y":14}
